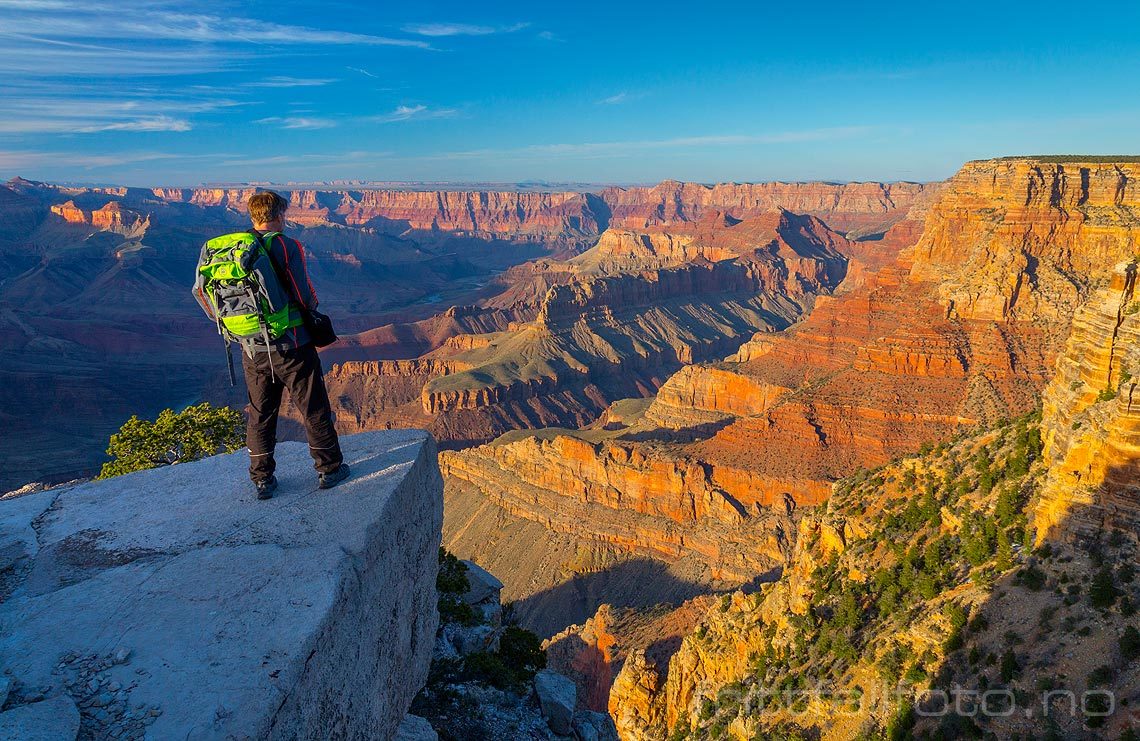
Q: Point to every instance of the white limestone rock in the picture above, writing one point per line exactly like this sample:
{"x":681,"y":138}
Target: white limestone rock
{"x":466,"y":640}
{"x":484,"y":587}
{"x":309,"y":615}
{"x":55,"y":719}
{"x":557,"y":696}
{"x":592,"y":726}
{"x":415,"y":728}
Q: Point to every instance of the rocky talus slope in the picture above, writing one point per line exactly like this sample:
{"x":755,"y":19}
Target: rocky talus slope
{"x":488,"y":677}
{"x":913,"y":589}
{"x":714,"y":470}
{"x":170,"y":603}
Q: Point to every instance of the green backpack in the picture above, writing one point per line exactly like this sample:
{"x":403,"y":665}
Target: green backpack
{"x":237,"y":283}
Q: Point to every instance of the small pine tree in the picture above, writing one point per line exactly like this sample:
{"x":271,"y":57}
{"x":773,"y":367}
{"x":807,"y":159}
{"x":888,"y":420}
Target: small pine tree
{"x":1130,"y":643}
{"x":195,"y":432}
{"x":1004,"y":551}
{"x":847,"y":614}
{"x":1102,"y":590}
{"x":1008,"y":665}
{"x":1006,"y":508}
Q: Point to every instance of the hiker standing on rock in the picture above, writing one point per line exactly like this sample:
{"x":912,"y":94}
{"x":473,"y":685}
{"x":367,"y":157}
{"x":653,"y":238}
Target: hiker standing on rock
{"x":256,"y":287}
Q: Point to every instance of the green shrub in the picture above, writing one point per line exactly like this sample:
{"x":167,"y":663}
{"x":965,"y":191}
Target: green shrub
{"x":1004,"y":551}
{"x":522,"y":651}
{"x":1130,"y":643}
{"x":902,"y":724}
{"x":1102,"y":676}
{"x":487,"y":668}
{"x":512,"y":667}
{"x":1106,"y":395}
{"x":1102,"y":589}
{"x":451,"y":583}
{"x":1009,"y":665}
{"x":1031,"y":577}
{"x":452,"y":576}
{"x":194,"y":433}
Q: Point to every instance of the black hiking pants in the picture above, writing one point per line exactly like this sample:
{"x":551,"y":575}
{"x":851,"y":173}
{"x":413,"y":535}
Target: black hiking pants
{"x":299,"y":370}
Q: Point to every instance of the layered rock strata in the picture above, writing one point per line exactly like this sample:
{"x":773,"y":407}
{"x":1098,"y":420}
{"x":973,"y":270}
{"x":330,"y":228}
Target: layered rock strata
{"x":869,"y":375}
{"x":615,"y":322}
{"x":866,"y":207}
{"x":1091,"y":419}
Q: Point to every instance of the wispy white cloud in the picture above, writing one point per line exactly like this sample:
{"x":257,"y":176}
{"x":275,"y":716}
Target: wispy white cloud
{"x":625,"y":96}
{"x":620,"y":148}
{"x":211,"y":28}
{"x":145,"y":123}
{"x":135,"y":21}
{"x":283,"y":81}
{"x":33,"y":57}
{"x":28,"y":161}
{"x":56,"y":38}
{"x":409,"y":112}
{"x":33,"y":4}
{"x":309,"y":161}
{"x":298,"y":122}
{"x":362,"y":71}
{"x":15,"y":160}
{"x":459,"y":29}
{"x":58,"y":108}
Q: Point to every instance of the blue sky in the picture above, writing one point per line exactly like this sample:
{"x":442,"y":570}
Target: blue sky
{"x":158,"y":92}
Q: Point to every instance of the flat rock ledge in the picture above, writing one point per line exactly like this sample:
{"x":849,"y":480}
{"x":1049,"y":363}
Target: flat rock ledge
{"x":172,"y":604}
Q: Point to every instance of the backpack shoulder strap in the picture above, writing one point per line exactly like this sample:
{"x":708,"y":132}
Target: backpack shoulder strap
{"x":266,"y":241}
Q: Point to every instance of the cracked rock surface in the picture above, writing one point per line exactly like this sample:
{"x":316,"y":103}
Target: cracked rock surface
{"x":171,"y":603}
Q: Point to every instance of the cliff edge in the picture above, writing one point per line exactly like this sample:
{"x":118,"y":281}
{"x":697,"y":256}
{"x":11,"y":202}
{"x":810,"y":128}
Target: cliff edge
{"x":171,"y":604}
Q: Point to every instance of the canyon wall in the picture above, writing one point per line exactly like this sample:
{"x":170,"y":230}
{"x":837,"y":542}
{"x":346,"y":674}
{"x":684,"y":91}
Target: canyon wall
{"x":1019,"y":239}
{"x":1091,"y":419}
{"x":866,"y":208}
{"x":871,"y":374}
{"x":613,"y":322}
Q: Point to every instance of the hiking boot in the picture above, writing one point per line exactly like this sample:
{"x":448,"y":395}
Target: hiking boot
{"x":332,"y":478}
{"x":266,"y":487}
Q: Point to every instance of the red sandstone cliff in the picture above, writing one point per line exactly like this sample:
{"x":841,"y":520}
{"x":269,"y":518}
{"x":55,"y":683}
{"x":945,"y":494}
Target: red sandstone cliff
{"x":865,"y":208}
